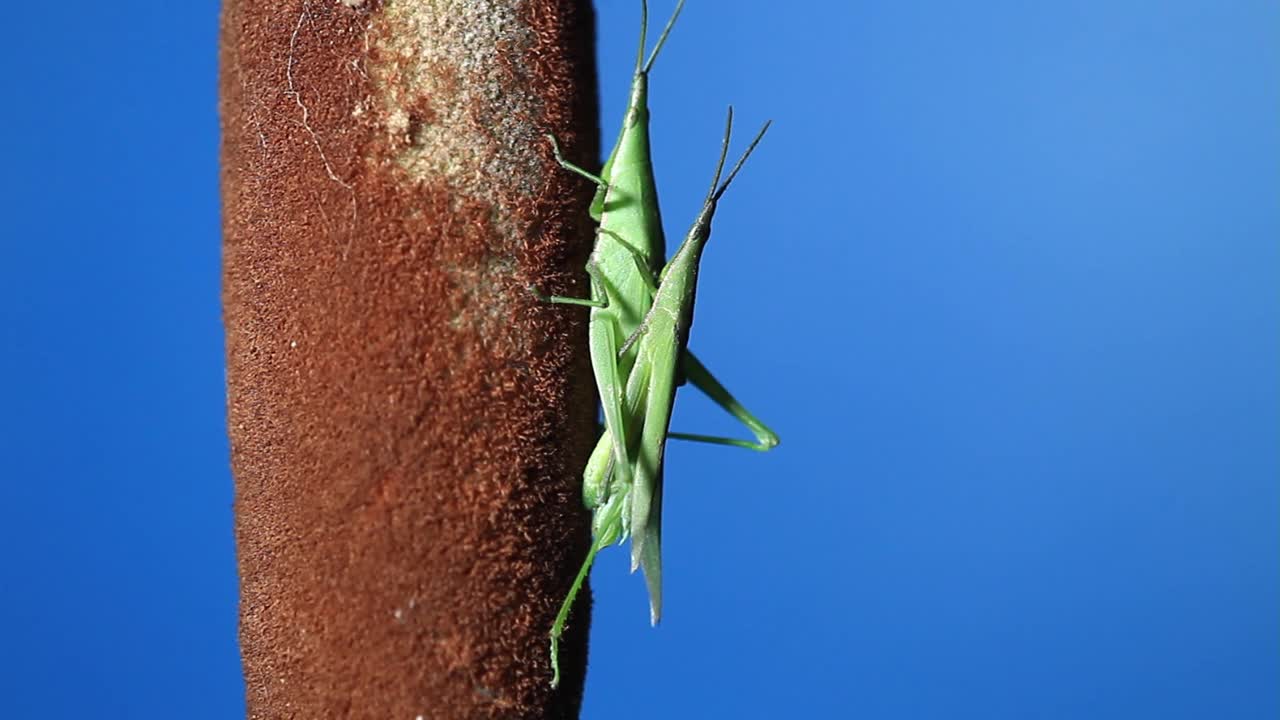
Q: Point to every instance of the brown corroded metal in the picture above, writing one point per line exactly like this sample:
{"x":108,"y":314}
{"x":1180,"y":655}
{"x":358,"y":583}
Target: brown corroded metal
{"x":407,"y":421}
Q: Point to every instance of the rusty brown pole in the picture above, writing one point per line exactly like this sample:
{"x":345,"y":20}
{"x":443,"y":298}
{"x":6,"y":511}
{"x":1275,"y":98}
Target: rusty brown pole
{"x":408,"y":423}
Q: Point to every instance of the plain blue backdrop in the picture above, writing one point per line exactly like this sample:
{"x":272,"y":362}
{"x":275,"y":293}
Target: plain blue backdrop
{"x":1004,"y":276}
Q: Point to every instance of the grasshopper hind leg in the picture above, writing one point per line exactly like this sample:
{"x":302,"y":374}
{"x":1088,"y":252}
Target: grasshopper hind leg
{"x":609,"y":383}
{"x":607,"y":528}
{"x":701,"y":378}
{"x":562,"y":617}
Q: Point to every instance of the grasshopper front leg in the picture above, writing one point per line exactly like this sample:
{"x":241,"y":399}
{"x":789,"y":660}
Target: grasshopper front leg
{"x":555,"y":148}
{"x":599,"y":298}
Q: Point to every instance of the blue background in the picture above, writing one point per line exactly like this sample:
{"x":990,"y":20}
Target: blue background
{"x":1004,"y":276}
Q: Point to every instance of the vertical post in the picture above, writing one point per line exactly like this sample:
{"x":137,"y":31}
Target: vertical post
{"x":408,"y":423}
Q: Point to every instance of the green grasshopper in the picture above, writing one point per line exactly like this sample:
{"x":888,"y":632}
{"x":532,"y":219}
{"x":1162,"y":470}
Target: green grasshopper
{"x":660,"y":344}
{"x":629,"y":247}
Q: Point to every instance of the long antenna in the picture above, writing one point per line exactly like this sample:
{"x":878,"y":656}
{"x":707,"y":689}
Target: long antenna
{"x":644,"y":28}
{"x":662,"y":39}
{"x":712,"y":195}
{"x":738,"y":166}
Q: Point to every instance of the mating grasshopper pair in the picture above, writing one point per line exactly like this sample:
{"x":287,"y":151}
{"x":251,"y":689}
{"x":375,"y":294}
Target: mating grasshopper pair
{"x":638,"y":338}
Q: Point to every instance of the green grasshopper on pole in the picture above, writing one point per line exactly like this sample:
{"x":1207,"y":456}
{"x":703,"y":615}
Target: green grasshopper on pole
{"x":629,"y":247}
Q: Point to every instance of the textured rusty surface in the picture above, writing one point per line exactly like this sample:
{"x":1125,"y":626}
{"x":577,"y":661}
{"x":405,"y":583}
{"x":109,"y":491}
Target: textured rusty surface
{"x":407,"y":423}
